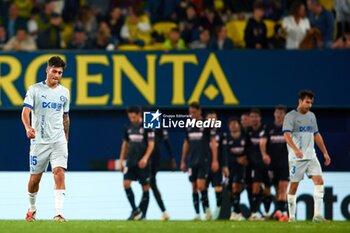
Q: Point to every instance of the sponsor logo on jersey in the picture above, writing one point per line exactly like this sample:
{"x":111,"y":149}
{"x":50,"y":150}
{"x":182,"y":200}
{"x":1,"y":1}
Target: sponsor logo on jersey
{"x":52,"y":105}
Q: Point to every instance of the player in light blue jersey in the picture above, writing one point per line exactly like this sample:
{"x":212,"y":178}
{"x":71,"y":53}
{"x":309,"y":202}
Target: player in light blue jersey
{"x":301,"y":132}
{"x":47,"y":103}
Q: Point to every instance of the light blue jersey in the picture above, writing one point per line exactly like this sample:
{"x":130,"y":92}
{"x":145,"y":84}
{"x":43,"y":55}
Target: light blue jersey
{"x":303,"y":127}
{"x":48,"y":106}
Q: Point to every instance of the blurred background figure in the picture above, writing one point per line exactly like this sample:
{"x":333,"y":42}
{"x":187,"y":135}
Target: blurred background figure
{"x":255,"y":33}
{"x":323,"y":20}
{"x":79,"y":40}
{"x":221,"y":41}
{"x":137,"y":27}
{"x":21,"y":42}
{"x":203,"y":42}
{"x":174,"y":42}
{"x":296,"y":25}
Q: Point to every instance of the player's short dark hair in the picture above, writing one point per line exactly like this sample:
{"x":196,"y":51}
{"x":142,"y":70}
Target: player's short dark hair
{"x":306,"y":93}
{"x":195,"y":105}
{"x":234,"y":118}
{"x":56,"y":61}
{"x":256,"y":111}
{"x":133,"y":109}
{"x":281,"y":107}
{"x":245,"y":114}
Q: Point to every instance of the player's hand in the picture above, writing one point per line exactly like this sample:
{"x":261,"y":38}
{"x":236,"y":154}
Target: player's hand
{"x":173,"y":164}
{"x":30,"y":133}
{"x":299,"y":153}
{"x":266,"y":159}
{"x":226,"y":171}
{"x":121,"y":166}
{"x":183,"y":166}
{"x":215,"y":166}
{"x":143,"y":162}
{"x":327,"y":160}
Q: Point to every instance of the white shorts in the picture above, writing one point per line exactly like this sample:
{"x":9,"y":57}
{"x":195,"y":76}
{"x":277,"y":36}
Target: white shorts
{"x":298,"y":168}
{"x":41,"y":154}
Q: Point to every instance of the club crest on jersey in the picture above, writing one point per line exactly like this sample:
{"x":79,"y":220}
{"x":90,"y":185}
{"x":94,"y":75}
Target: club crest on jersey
{"x":63,"y":98}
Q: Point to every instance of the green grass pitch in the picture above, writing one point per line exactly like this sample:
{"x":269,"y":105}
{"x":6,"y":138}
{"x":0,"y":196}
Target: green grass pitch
{"x":73,"y":226}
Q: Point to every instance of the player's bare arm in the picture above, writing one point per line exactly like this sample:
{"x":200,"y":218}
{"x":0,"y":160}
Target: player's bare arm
{"x":320,"y":143}
{"x":143,"y":162}
{"x":289,"y":140}
{"x":266,"y":157}
{"x":66,"y":124}
{"x":214,"y":152}
{"x":123,"y":151}
{"x":185,"y":149}
{"x":26,"y":122}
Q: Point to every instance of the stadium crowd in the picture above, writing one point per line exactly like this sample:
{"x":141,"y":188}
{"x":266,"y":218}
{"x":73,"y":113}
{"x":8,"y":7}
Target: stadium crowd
{"x":27,"y":25}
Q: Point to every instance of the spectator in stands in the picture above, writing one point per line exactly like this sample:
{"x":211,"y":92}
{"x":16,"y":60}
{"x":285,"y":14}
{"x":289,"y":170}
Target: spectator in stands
{"x":203,"y":42}
{"x":210,"y":20}
{"x":343,"y":42}
{"x":3,"y":37}
{"x":255,"y":33}
{"x":79,"y":40}
{"x":137,"y":27}
{"x":32,"y":23}
{"x":221,"y":41}
{"x":162,"y":10}
{"x":115,"y":23}
{"x":278,"y":40}
{"x":103,"y":39}
{"x":50,"y":27}
{"x":295,"y":25}
{"x":323,"y":20}
{"x":71,"y":9}
{"x":24,"y":8}
{"x":190,"y":25}
{"x":342,"y":9}
{"x":21,"y":42}
{"x":273,"y":9}
{"x":86,"y":18}
{"x":12,"y":21}
{"x":174,"y":42}
{"x":99,"y":7}
{"x":239,"y":7}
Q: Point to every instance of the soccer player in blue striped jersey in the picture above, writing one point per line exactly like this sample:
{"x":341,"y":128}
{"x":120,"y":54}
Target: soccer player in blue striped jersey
{"x":47,"y":103}
{"x":301,"y":132}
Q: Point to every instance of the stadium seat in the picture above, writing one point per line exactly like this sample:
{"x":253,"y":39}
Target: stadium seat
{"x":156,"y":46}
{"x":328,"y":4}
{"x":219,"y":5}
{"x":235,"y":31}
{"x":270,"y":25}
{"x":129,"y":47}
{"x":164,"y":28}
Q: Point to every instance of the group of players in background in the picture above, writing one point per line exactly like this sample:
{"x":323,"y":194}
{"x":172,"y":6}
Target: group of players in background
{"x":251,"y":156}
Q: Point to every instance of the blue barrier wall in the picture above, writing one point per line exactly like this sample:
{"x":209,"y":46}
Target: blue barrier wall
{"x":254,"y":78}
